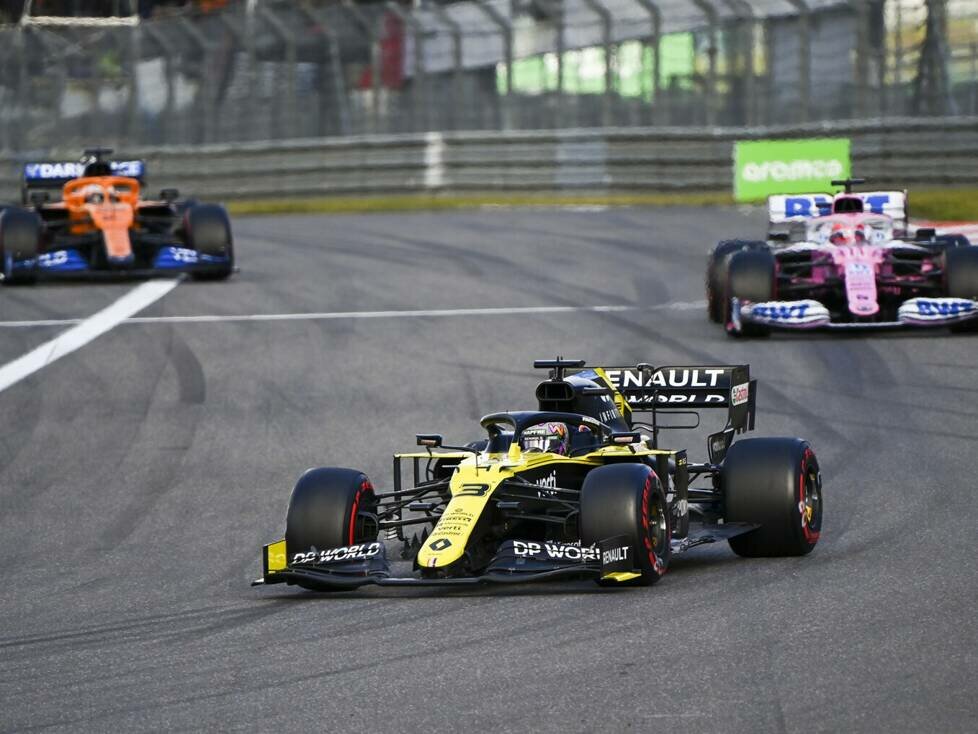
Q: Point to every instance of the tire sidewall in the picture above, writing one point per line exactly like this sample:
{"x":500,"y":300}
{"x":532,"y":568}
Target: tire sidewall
{"x":765,"y":481}
{"x":750,"y":276}
{"x":625,"y":500}
{"x":207,"y":229}
{"x":20,"y":238}
{"x":717,"y":267}
{"x":961,"y":280}
{"x":324,"y":508}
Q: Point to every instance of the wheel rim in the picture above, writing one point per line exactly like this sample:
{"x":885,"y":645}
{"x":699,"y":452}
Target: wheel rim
{"x":656,"y":528}
{"x":810,"y":503}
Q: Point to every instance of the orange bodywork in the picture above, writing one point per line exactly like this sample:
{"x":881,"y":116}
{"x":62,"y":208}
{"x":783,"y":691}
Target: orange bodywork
{"x":103,"y":203}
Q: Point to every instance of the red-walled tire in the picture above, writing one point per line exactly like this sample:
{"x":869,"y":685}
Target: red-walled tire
{"x":774,"y":483}
{"x":627,"y":499}
{"x":330,"y":508}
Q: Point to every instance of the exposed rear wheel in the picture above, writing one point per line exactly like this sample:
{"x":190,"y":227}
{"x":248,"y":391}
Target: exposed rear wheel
{"x":774,"y":483}
{"x":627,"y":500}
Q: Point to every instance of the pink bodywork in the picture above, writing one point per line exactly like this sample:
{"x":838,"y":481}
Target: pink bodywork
{"x":858,"y":255}
{"x":859,"y":263}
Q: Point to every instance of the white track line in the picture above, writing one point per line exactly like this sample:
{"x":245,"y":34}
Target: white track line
{"x":333,"y":315}
{"x":85,"y":330}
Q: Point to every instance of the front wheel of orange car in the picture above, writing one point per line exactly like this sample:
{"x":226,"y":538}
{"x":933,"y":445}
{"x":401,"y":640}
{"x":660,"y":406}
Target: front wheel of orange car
{"x":207,"y":230}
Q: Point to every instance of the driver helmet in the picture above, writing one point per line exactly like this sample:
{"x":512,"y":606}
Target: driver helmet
{"x":93,"y":194}
{"x":551,"y":438}
{"x":98,"y":168}
{"x":838,"y":235}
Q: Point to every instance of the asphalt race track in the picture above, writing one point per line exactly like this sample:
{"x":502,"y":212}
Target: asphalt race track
{"x":141,"y":473}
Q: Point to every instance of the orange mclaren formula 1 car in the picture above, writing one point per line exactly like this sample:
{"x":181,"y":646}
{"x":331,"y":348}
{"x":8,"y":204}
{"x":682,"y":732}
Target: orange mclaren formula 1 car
{"x":102,"y":225}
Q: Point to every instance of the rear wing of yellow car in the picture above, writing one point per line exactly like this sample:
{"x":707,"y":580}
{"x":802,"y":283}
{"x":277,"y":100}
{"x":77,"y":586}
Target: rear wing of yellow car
{"x":685,"y":389}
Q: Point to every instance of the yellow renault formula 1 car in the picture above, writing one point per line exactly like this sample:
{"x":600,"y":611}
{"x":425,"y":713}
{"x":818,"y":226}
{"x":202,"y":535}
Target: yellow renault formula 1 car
{"x":576,"y":488}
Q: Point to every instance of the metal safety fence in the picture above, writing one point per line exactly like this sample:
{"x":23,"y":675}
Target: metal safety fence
{"x":899,"y":153}
{"x":259,"y":70}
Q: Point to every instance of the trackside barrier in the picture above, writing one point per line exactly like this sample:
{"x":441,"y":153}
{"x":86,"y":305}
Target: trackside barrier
{"x":899,"y":153}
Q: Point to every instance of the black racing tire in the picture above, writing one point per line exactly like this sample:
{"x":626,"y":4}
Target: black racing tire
{"x":750,"y":277}
{"x":208,"y":231}
{"x":330,"y":508}
{"x":627,"y":499}
{"x":20,"y":237}
{"x":774,"y":483}
{"x":961,"y":280}
{"x":716,"y":273}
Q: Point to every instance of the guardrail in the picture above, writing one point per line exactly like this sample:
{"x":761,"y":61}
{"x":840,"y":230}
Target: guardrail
{"x":908,"y":152}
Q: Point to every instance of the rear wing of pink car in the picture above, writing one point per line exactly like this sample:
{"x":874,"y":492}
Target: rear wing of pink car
{"x":786,"y":208}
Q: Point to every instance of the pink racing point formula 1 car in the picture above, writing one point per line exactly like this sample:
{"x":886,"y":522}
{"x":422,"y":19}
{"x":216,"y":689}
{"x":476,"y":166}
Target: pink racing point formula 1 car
{"x":843,"y":261}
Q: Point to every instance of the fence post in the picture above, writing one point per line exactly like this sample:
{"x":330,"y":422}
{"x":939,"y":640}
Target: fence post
{"x":710,"y":13}
{"x":656,"y":17}
{"x":252,"y":66}
{"x":239,"y":36}
{"x":370,"y":31}
{"x":557,"y":8}
{"x":280,"y":29}
{"x":332,"y":59}
{"x":604,"y":15}
{"x":862,"y":56}
{"x":169,"y":54}
{"x":506,"y":27}
{"x":207,"y":85}
{"x":456,"y":30}
{"x":419,"y":84}
{"x":23,"y":87}
{"x":804,"y":57}
{"x":898,"y":59}
{"x":746,"y":20}
{"x":339,"y":84}
{"x":6,"y":51}
{"x":135,"y":54}
{"x":932,"y":87}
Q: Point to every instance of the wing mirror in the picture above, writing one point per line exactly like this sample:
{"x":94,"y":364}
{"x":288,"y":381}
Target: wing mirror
{"x":429,"y":440}
{"x":625,"y":439}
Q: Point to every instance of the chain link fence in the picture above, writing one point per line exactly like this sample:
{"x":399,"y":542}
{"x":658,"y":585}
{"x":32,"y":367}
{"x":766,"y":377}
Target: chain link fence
{"x":260,"y":70}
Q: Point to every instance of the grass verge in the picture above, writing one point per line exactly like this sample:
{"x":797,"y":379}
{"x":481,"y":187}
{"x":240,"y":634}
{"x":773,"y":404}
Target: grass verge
{"x":935,"y":204}
{"x":945,"y":205}
{"x":436,"y":202}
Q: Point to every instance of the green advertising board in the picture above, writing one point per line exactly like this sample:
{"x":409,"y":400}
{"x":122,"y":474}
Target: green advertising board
{"x":765,"y":167}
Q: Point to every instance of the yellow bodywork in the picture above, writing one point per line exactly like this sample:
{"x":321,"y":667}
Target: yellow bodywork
{"x":275,"y":558}
{"x":477,"y":478}
{"x":474,"y":482}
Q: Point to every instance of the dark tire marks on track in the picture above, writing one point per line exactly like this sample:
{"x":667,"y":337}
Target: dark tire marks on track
{"x":139,"y":476}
